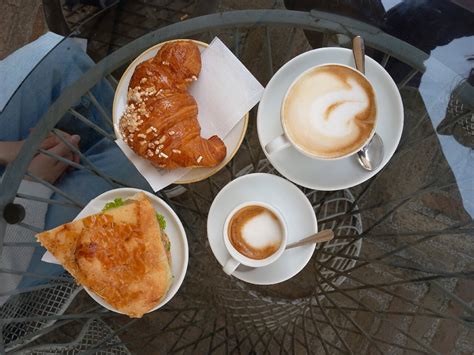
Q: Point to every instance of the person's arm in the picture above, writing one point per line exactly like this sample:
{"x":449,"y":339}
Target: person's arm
{"x":9,"y":151}
{"x":41,"y":165}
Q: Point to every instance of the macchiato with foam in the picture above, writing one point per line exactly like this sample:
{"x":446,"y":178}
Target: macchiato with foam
{"x":255,"y":232}
{"x":330,"y":111}
{"x":255,"y":235}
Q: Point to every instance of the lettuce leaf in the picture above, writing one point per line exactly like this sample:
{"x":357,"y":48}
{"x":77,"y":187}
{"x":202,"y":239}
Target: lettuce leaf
{"x":114,"y":204}
{"x":161,"y":221}
{"x":117,"y":202}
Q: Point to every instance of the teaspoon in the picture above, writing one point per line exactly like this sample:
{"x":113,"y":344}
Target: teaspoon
{"x":371,"y":155}
{"x":323,"y":236}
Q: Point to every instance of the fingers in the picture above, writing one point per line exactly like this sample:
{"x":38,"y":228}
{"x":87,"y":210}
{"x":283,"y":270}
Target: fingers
{"x":62,"y":149}
{"x":71,"y":157}
{"x":47,"y":168}
{"x":51,"y":169}
{"x":51,"y":140}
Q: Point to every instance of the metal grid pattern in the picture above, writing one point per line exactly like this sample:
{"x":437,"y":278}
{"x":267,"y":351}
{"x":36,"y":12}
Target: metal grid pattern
{"x":398,"y":293}
{"x":346,"y":229}
{"x":94,"y":331}
{"x":110,"y":28}
{"x":30,"y":311}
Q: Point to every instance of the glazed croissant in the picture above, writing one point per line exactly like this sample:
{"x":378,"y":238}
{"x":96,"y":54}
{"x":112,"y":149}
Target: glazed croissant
{"x":160,"y":122}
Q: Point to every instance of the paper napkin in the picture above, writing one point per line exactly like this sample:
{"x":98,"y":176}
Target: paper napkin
{"x":225,"y":91}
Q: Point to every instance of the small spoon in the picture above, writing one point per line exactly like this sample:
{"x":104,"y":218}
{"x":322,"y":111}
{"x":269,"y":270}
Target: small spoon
{"x":323,"y":236}
{"x":371,"y":155}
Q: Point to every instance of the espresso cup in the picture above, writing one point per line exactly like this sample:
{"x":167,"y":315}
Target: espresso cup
{"x":329,"y":112}
{"x":237,"y":257}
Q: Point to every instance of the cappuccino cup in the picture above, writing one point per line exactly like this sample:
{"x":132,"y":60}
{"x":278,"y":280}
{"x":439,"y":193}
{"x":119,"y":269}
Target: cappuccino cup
{"x":329,"y":112}
{"x":255,"y":234}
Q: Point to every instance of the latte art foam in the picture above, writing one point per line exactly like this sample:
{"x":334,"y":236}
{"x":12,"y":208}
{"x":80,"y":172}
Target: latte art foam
{"x":330,"y":111}
{"x":255,"y":232}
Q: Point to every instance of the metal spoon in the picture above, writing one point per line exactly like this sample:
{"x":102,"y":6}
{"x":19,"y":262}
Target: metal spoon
{"x":371,"y":155}
{"x":323,"y":236}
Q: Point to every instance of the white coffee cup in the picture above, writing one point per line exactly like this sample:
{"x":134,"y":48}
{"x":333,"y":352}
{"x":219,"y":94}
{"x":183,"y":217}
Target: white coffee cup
{"x":284,"y":140}
{"x":236,"y":258}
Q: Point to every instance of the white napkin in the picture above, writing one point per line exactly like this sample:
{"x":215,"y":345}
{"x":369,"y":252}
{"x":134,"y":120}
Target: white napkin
{"x":225,"y":91}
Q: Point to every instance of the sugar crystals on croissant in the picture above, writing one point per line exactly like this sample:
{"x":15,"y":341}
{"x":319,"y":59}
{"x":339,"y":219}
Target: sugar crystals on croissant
{"x":160,"y":122}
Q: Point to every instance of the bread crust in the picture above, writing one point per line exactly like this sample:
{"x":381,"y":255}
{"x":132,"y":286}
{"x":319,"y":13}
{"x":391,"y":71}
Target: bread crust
{"x":117,"y":254}
{"x":160,"y":121}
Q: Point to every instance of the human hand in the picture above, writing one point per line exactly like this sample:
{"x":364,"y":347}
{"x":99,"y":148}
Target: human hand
{"x":52,"y":140}
{"x":10,"y":150}
{"x":48,"y":168}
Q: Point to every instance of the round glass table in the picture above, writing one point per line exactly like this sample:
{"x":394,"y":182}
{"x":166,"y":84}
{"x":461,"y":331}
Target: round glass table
{"x":397,"y":277}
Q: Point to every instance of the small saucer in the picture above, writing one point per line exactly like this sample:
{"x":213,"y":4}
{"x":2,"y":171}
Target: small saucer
{"x":293,"y":206}
{"x":328,"y":175}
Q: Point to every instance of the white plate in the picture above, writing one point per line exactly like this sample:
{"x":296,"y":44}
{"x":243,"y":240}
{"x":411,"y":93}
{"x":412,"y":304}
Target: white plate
{"x":293,"y":206}
{"x":174,"y":230}
{"x":232,"y":141}
{"x":324,"y":174}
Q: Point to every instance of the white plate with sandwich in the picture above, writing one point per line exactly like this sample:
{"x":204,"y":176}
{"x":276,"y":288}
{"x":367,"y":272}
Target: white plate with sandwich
{"x":128,"y":249}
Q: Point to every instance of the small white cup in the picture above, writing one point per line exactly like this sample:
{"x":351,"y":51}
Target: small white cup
{"x":284,"y":141}
{"x":235,"y":257}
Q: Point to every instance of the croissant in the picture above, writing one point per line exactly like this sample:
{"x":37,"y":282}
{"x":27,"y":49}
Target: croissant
{"x":160,"y":121}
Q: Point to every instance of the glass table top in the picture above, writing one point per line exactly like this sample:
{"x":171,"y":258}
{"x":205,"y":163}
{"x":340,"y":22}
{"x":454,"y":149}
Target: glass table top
{"x":397,"y":278}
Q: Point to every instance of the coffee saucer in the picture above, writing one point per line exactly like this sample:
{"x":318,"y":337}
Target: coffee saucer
{"x":328,"y":174}
{"x":288,"y":200}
